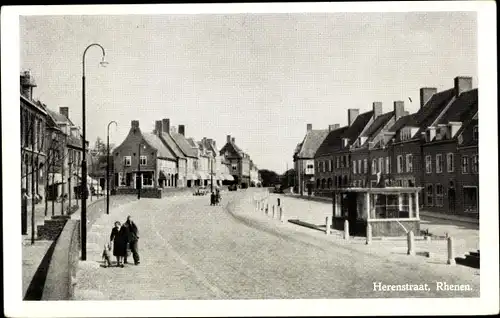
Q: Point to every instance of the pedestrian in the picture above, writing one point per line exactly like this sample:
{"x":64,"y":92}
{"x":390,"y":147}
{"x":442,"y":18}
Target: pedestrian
{"x":133,"y":239}
{"x":119,"y":239}
{"x":212,"y":199}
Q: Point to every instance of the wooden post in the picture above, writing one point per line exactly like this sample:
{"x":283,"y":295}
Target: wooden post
{"x":411,"y":243}
{"x":451,"y":252}
{"x":368,"y":233}
{"x":346,"y":229}
{"x":282,"y":215}
{"x":328,"y":225}
{"x":273,"y":212}
{"x":417,"y":208}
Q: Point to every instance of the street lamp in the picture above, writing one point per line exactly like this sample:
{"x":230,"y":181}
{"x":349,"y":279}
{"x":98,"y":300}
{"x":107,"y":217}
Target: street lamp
{"x":139,"y":182}
{"x":83,"y":218}
{"x":107,"y":168}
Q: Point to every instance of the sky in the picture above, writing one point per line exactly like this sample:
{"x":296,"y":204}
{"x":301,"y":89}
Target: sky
{"x":260,"y":78}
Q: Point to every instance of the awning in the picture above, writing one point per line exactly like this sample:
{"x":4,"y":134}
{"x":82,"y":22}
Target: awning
{"x":229,"y":177}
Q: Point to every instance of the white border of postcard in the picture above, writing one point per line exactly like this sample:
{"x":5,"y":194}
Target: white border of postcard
{"x":488,"y":303}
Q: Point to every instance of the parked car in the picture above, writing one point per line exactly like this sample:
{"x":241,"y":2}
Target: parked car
{"x":233,"y":187}
{"x":278,"y":189}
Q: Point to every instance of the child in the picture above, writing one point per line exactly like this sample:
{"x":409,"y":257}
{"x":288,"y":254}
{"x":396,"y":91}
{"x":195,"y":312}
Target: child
{"x":106,"y":255}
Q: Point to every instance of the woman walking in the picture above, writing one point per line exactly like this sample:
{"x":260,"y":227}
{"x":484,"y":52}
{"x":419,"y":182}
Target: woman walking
{"x":119,"y":238}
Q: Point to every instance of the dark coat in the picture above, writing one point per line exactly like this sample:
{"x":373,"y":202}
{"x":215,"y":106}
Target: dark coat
{"x":133,"y":231}
{"x":120,"y":240}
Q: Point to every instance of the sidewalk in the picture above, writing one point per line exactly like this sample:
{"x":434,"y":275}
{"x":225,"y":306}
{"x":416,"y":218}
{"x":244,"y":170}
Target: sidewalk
{"x":466,"y":237}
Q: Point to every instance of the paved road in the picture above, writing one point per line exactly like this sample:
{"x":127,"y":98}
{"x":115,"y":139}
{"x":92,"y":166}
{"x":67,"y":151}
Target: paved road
{"x":190,"y":250}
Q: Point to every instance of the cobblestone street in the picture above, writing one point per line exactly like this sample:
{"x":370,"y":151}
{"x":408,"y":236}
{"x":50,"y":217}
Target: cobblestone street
{"x":191,"y":250}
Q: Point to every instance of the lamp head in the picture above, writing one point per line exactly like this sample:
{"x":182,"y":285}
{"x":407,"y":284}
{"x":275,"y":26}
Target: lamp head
{"x":103,"y":63}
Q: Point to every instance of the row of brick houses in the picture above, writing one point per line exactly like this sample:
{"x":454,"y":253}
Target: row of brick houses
{"x":51,"y":147}
{"x":167,"y":158}
{"x":435,"y":148}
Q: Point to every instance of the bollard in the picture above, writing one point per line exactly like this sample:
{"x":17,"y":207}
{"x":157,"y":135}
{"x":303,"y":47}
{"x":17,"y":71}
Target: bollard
{"x":328,"y":225}
{"x":451,"y":253}
{"x":279,"y":202}
{"x":346,"y":229}
{"x":411,"y":243}
{"x":282,"y":215}
{"x":273,"y":211}
{"x":368,"y":233}
{"x":267,"y":208}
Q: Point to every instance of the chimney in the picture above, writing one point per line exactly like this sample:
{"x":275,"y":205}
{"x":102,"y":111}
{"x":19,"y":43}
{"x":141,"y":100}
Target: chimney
{"x":377,"y":109}
{"x":462,"y":84}
{"x":64,"y":111}
{"x":352,"y":113}
{"x":333,"y":127}
{"x":182,"y":130}
{"x":228,"y":139}
{"x":233,"y":140}
{"x":309,"y":127}
{"x":27,"y":83}
{"x":165,"y":123}
{"x":426,"y":94}
{"x":135,"y":124}
{"x":158,"y":127}
{"x":399,"y":109}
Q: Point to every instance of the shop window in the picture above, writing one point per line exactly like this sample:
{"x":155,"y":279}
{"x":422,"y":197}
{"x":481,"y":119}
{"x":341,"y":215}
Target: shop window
{"x":470,"y":200}
{"x":147,"y":179}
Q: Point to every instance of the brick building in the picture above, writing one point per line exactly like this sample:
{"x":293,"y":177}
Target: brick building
{"x":238,"y":160}
{"x":303,"y":159}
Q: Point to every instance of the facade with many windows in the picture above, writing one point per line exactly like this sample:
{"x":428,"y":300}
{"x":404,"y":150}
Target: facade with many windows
{"x":435,"y":148}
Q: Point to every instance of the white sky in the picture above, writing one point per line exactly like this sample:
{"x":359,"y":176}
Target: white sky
{"x":258,"y":77}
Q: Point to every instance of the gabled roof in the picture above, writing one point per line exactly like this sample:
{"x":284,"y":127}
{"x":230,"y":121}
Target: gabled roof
{"x":408,"y":120}
{"x":377,"y":125}
{"x":59,"y":118}
{"x":433,"y":108}
{"x":466,"y":132}
{"x":311,"y":143}
{"x":155,"y":142}
{"x":332,"y":142}
{"x":464,"y":107}
{"x":235,"y":151}
{"x":170,"y":143}
{"x":184,"y":145}
{"x":352,"y":133}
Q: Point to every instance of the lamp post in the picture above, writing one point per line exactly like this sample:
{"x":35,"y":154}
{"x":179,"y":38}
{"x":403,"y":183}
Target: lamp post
{"x":83,"y":219}
{"x":139,"y":182}
{"x":107,"y":168}
{"x":211,"y":175}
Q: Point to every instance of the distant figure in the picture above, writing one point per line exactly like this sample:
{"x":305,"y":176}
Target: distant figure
{"x":212,"y":198}
{"x":133,"y":239}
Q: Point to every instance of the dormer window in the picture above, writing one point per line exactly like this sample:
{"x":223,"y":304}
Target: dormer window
{"x":345,"y":142}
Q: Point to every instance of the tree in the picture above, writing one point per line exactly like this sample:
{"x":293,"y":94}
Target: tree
{"x":100,"y":147}
{"x":269,"y":178}
{"x":288,"y":179}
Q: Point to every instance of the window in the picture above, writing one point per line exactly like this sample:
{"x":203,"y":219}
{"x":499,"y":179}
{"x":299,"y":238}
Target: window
{"x":337,"y":162}
{"x":450,"y":163}
{"x":234,"y":166}
{"x":470,"y":200}
{"x":144,"y":160}
{"x":374,"y":166}
{"x":127,"y":161}
{"x":346,"y":161}
{"x":121,"y":179}
{"x":147,"y":178}
{"x":409,"y":163}
{"x":439,"y":163}
{"x":366,"y":165}
{"x":381,"y":165}
{"x":428,"y":164}
{"x":387,"y":166}
{"x":475,"y":164}
{"x":429,"y":195}
{"x":360,"y":167}
{"x":475,"y":133}
{"x":400,"y":164}
{"x":439,"y":195}
{"x":354,"y":167}
{"x":465,"y":164}
{"x":331,"y":165}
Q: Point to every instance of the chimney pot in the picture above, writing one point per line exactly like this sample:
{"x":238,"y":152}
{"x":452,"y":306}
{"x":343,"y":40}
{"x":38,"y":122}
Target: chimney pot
{"x":462,"y":84}
{"x":377,"y":109}
{"x":426,"y":94}
{"x":165,"y":122}
{"x":228,"y":138}
{"x":333,"y":127}
{"x":233,"y":140}
{"x":64,"y":111}
{"x":399,"y":109}
{"x":182,"y":130}
{"x":158,"y":127}
{"x":135,"y":124}
{"x":309,"y":127}
{"x":352,"y":113}
{"x":27,"y":83}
